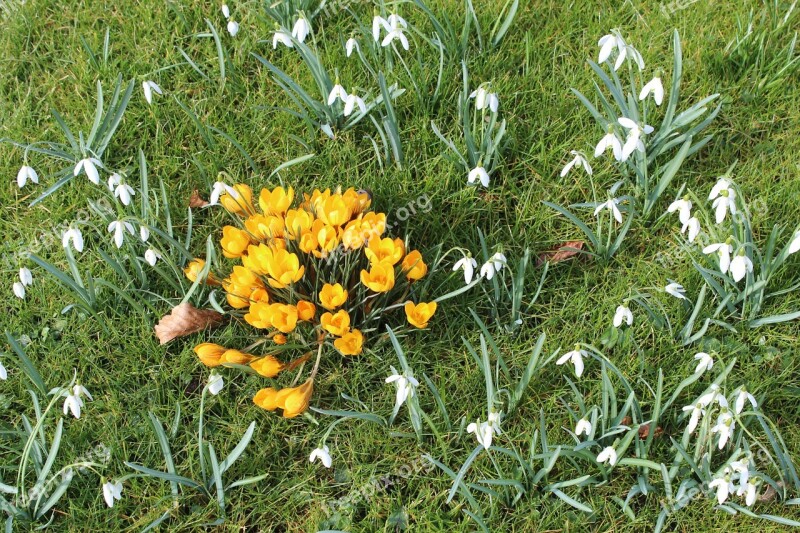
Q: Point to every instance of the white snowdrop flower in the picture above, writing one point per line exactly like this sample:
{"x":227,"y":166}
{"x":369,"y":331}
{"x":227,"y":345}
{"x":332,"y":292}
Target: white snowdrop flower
{"x":579,"y":160}
{"x":124,"y":192}
{"x":696,"y":412}
{"x":405,"y":383}
{"x":218,"y":189}
{"x":114,"y":180}
{"x":323,"y":454}
{"x":654,"y":87}
{"x":484,"y":431}
{"x":26,"y":174}
{"x":283,"y":38}
{"x":144,"y":233}
{"x":750,"y":494}
{"x":73,"y":401}
{"x":634,"y":139}
{"x":607,"y":44}
{"x":611,"y":205}
{"x":215,"y":383}
{"x":608,"y":455}
{"x":493,"y":265}
{"x":152,"y":257}
{"x":468,"y":264}
{"x":576,"y":358}
{"x":723,"y":488}
{"x":676,"y":290}
{"x":3,"y":372}
{"x":693,"y":225}
{"x":743,"y":396}
{"x":740,"y":266}
{"x":724,"y":196}
{"x":379,"y":22}
{"x":351,"y":102}
{"x":713,"y":395}
{"x":583,"y":427}
{"x":19,"y":290}
{"x":89,"y":166}
{"x":485,"y":99}
{"x":724,"y":427}
{"x":350,"y":45}
{"x":301,"y":29}
{"x":684,"y":208}
{"x":794,"y":246}
{"x":705,"y":362}
{"x":610,"y":140}
{"x":723,"y":251}
{"x":395,"y":26}
{"x":75,"y":236}
{"x":25,"y":276}
{"x":337,"y":93}
{"x":623,"y":314}
{"x":742,"y":470}
{"x":478,"y":174}
{"x":118,"y":228}
{"x":233,"y":28}
{"x":225,"y":11}
{"x":149,"y":87}
{"x":111,"y":492}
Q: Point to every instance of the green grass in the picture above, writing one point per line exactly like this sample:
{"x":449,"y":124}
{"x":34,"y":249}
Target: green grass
{"x":44,"y":65}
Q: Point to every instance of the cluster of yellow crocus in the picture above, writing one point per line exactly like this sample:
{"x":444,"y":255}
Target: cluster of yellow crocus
{"x":320,"y":273}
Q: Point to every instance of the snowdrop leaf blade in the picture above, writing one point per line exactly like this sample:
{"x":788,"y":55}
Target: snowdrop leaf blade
{"x":27,"y":366}
{"x":578,"y":222}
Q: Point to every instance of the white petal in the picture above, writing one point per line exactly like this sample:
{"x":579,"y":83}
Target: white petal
{"x":19,"y":290}
{"x":148,"y":95}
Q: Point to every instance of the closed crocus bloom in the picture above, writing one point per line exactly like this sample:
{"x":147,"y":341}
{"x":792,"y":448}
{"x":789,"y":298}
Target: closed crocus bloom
{"x":267,"y":366}
{"x":351,"y":343}
{"x":257,"y":258}
{"x":234,"y":242}
{"x":284,"y":317}
{"x":327,"y":238}
{"x":241,"y":285}
{"x":418,"y":315}
{"x":414,"y":267}
{"x":357,"y":201}
{"x":334,"y":210}
{"x":283,"y":268}
{"x":353,"y":235}
{"x":332,"y":296}
{"x":385,"y":250}
{"x":195,"y":268}
{"x":210,"y":354}
{"x":380,"y":277}
{"x":259,"y":315}
{"x":265,"y":228}
{"x":336,"y":324}
{"x":297,"y":221}
{"x":276,"y":201}
{"x":306,"y":310}
{"x":294,"y":401}
{"x":236,"y":357}
{"x":308,"y":242}
{"x":238,"y":199}
{"x":266,"y":399}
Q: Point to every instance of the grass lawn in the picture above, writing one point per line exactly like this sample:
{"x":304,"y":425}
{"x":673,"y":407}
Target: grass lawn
{"x":51,"y":57}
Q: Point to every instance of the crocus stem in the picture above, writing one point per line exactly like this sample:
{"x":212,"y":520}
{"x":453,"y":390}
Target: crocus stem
{"x":319,"y":357}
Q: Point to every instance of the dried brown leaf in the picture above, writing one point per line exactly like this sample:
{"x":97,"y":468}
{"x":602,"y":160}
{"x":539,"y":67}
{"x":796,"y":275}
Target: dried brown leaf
{"x":566,"y":251}
{"x":644,"y":431}
{"x":196,"y":201}
{"x":185,"y":319}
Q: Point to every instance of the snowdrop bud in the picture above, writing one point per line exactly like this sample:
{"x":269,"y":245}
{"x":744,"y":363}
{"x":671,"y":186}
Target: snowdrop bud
{"x":233,"y":28}
{"x":26,"y":173}
{"x":215,"y":383}
{"x":25,"y":276}
{"x":19,"y":290}
{"x":225,"y":11}
{"x":144,"y":233}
